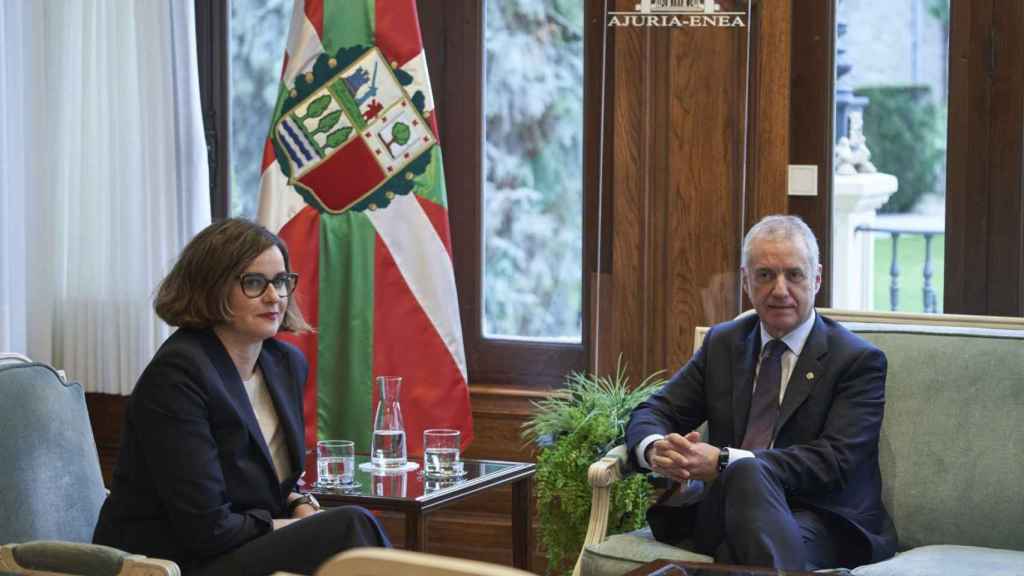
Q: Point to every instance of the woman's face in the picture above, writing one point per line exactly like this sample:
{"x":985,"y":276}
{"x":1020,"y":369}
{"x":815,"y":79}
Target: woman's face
{"x":254,"y":319}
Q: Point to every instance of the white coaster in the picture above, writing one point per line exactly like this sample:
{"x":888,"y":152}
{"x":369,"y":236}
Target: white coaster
{"x":407,"y":467}
{"x":343,"y":488}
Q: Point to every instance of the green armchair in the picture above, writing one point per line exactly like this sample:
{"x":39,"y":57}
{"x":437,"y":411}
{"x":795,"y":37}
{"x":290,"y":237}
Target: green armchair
{"x":51,"y":488}
{"x":949,"y":451}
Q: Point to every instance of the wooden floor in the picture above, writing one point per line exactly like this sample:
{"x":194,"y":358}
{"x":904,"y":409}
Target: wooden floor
{"x":478,"y":528}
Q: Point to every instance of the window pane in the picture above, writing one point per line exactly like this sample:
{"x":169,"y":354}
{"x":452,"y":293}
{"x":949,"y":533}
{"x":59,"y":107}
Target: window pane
{"x":259,"y":32}
{"x":891,"y":99}
{"x":533,"y":174}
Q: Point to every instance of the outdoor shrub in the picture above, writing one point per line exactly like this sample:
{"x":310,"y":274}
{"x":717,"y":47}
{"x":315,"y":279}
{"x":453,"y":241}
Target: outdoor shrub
{"x":901,"y":124}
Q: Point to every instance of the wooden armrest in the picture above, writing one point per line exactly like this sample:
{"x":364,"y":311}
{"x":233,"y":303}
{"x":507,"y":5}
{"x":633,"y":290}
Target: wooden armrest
{"x":611,"y":468}
{"x":602,"y":474}
{"x":143,"y":566}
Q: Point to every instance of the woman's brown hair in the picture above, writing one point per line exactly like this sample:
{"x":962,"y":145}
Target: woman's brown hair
{"x":195,"y":292}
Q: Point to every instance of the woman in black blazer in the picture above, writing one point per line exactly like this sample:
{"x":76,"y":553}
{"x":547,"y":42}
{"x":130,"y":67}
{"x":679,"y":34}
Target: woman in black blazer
{"x":212,"y":446}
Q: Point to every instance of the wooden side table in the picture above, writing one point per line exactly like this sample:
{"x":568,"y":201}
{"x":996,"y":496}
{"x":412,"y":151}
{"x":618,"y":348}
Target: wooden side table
{"x":414,"y":495}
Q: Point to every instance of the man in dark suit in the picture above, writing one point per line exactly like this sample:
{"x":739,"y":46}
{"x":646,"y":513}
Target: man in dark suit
{"x":788,"y":475}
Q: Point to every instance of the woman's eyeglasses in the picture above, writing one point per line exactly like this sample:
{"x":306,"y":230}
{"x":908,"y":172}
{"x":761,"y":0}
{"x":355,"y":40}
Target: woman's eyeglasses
{"x":255,"y":284}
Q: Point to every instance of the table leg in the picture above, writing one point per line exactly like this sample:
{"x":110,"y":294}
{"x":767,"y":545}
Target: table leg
{"x":522,"y":522}
{"x":415,"y":534}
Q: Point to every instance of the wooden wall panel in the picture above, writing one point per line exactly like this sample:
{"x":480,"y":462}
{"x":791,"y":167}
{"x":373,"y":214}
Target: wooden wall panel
{"x":699,"y":127}
{"x":499,"y":413}
{"x":708,"y":88}
{"x":769,"y":110}
{"x":1006,"y":242}
{"x":630,"y":120}
{"x":811,"y":127}
{"x":967,"y":180}
{"x":658,"y":194}
{"x":106,"y":412}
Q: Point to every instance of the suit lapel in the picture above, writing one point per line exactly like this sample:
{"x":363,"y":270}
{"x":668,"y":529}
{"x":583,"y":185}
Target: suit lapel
{"x":807,"y":371}
{"x":277,"y":384}
{"x":746,"y":348}
{"x":235,"y":390}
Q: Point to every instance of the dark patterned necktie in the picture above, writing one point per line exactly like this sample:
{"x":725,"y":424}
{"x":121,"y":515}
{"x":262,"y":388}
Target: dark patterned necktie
{"x":764,"y":407}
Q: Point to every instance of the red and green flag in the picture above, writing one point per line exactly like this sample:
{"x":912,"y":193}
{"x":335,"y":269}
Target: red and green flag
{"x":353,"y":182}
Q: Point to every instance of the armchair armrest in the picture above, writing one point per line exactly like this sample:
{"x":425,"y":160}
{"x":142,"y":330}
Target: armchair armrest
{"x":611,"y":468}
{"x":53,"y":557}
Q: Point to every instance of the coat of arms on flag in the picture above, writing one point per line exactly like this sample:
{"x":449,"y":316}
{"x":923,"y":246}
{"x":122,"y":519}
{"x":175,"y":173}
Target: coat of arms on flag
{"x":347,"y":128}
{"x":353,"y":182}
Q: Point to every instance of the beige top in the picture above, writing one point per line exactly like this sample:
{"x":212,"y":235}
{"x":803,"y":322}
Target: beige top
{"x":270,"y":426}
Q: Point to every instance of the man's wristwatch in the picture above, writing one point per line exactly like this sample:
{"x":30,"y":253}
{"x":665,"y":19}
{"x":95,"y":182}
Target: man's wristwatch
{"x":723,"y":459}
{"x":304,"y":499}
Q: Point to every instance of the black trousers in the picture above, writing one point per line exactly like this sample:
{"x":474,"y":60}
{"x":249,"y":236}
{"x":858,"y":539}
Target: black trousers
{"x":745,"y":519}
{"x":300,"y":547}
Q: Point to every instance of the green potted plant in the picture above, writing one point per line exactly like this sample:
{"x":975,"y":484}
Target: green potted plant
{"x":574,"y":429}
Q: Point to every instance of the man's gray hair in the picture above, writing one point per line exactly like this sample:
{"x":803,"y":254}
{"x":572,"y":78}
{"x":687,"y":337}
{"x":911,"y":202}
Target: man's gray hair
{"x":782,"y":227}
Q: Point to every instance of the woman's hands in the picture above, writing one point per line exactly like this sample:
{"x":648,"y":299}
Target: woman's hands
{"x":279,"y":523}
{"x":304,"y":509}
{"x":298,"y":513}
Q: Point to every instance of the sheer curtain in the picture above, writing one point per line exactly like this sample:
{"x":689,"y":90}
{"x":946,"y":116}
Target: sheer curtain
{"x":13,"y":174}
{"x":104,"y":178}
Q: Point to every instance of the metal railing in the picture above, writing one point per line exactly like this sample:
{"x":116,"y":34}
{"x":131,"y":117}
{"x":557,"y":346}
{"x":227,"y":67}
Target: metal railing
{"x":927,"y":229}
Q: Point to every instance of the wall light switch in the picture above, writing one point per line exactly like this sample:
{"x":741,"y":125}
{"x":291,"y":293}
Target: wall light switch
{"x":803,"y":180}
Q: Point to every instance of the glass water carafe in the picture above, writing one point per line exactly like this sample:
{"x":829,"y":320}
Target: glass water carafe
{"x":388,"y":448}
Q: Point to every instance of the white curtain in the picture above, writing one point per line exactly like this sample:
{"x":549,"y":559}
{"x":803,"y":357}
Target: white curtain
{"x":102,"y":182}
{"x":13,"y":174}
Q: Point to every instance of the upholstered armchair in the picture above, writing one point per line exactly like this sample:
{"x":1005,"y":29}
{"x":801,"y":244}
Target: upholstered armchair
{"x":948,"y":451}
{"x":51,"y":488}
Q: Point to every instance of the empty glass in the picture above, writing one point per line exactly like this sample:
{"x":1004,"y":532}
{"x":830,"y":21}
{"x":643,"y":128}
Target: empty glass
{"x":441,"y":453}
{"x":335,"y":463}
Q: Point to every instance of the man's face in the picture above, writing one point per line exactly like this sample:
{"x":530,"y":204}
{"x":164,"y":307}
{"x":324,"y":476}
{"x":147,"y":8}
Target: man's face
{"x":780,"y":283}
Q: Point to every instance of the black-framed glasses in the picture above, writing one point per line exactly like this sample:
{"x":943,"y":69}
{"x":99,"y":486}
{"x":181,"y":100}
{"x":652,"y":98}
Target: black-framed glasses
{"x":255,"y":284}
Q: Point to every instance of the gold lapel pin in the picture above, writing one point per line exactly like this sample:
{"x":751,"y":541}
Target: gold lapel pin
{"x":810,"y":376}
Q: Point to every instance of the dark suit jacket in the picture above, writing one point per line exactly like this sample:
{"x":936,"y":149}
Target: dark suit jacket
{"x":195,"y":478}
{"x":826,"y":437}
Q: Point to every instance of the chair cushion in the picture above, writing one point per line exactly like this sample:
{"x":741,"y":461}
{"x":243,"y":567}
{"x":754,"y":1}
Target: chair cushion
{"x":952,"y":420}
{"x":625,"y":552}
{"x":947,"y":559}
{"x":66,"y":557}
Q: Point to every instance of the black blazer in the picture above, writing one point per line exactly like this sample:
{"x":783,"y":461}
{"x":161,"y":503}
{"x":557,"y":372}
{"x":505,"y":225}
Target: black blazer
{"x":194,"y":478}
{"x":826,"y":437}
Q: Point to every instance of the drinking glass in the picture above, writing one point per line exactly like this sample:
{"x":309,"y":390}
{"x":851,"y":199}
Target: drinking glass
{"x":441,"y":453}
{"x":335,"y":463}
